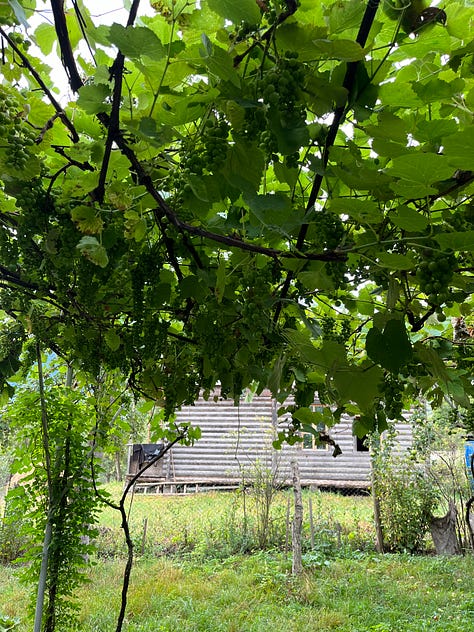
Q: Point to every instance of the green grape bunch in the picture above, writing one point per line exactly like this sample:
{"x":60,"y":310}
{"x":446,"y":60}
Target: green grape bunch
{"x":203,"y":154}
{"x":392,"y":389}
{"x":327,"y":230}
{"x":16,"y":136}
{"x":434,"y":274}
{"x":280,"y":89}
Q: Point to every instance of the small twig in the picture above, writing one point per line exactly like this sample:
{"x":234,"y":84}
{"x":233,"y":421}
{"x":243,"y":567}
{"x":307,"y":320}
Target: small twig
{"x":47,"y":126}
{"x":291,"y":5}
{"x":418,"y":324}
{"x":82,"y":25}
{"x":84,"y":166}
{"x":12,"y":278}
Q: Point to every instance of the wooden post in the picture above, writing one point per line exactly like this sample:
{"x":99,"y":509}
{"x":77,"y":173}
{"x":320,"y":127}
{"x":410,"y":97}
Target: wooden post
{"x":145,"y":525}
{"x":274,"y":452}
{"x":287,"y":532}
{"x":311,"y":522}
{"x":297,"y":567}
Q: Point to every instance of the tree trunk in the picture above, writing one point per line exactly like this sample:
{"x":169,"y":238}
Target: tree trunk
{"x":470,"y":520}
{"x":118,"y":467}
{"x":443,"y":532}
{"x":297,"y":529}
{"x":42,"y":577}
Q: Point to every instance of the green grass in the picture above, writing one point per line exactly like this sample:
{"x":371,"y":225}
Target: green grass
{"x":215,"y":524}
{"x":257,"y":593}
{"x":192,"y":576}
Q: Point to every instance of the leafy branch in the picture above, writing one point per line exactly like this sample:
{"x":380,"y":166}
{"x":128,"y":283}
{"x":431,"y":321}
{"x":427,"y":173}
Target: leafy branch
{"x":37,"y":77}
{"x":338,"y":117}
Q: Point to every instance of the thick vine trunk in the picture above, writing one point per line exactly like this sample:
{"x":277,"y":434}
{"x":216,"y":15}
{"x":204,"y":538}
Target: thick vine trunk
{"x":118,"y":467}
{"x":41,"y":591}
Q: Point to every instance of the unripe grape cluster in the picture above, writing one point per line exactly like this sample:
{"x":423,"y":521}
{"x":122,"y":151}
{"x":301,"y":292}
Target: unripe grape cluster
{"x":326,"y":230}
{"x":20,"y":41}
{"x":215,"y":144}
{"x":255,"y":298}
{"x":273,"y":9}
{"x":16,"y":137}
{"x":458,"y":220}
{"x":332,"y":330}
{"x":202,"y":155}
{"x":281,"y":86}
{"x":208,"y":152}
{"x":31,"y":194}
{"x":280,"y":89}
{"x":392,"y":389}
{"x":434,"y":274}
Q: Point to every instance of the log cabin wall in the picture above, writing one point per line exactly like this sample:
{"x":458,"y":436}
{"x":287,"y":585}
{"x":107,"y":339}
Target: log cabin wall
{"x":237,"y":439}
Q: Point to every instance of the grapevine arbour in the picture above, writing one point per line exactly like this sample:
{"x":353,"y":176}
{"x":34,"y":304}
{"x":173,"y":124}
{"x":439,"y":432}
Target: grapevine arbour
{"x":174,"y":217}
{"x":200,"y":215}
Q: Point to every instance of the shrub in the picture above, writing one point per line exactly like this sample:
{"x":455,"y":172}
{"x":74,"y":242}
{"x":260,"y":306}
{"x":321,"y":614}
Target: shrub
{"x":7,"y":623}
{"x":407,"y":500}
{"x":13,"y":540}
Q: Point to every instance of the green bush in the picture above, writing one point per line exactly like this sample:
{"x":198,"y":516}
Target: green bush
{"x":407,"y":500}
{"x":13,"y":540}
{"x":7,"y":623}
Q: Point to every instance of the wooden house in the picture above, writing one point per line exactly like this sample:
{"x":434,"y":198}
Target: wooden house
{"x":236,"y":442}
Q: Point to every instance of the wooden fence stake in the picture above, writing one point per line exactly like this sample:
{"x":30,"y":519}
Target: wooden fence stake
{"x":311,"y":522}
{"x":287,"y":532}
{"x":297,"y":566}
{"x":145,"y":525}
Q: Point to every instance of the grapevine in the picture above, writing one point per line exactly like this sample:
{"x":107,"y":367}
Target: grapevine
{"x":326,"y":230}
{"x":434,"y":273}
{"x":392,"y":389}
{"x":204,"y":154}
{"x":16,"y":137}
{"x":331,"y":330}
{"x":280,"y":87}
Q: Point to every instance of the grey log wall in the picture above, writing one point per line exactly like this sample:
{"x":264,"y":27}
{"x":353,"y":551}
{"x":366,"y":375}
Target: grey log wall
{"x":237,"y":439}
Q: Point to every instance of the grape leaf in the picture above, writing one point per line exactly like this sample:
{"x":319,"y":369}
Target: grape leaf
{"x":236,"y":12}
{"x":391,"y":347}
{"x":396,"y":261}
{"x":344,"y":50}
{"x":409,"y":219}
{"x":91,"y":98}
{"x":112,"y":340}
{"x":94,"y":251}
{"x":136,"y":41}
{"x":458,"y":241}
{"x":458,"y":149}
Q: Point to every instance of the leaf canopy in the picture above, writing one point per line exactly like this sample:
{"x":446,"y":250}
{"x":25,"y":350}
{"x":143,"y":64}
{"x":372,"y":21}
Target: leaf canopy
{"x":246,"y":193}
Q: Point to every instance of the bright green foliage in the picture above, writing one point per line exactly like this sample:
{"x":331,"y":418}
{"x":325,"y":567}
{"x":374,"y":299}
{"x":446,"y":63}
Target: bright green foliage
{"x":7,"y":623}
{"x":238,"y":173}
{"x":407,"y":501}
{"x":406,"y":494}
{"x":64,"y":495}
